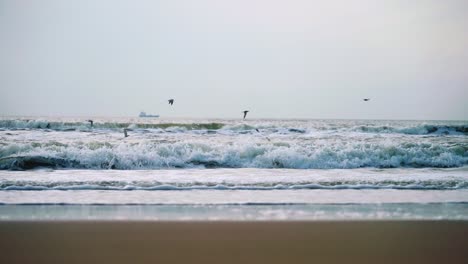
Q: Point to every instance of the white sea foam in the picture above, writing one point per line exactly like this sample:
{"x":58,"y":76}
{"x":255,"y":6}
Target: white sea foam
{"x":276,"y":193}
{"x":236,"y":179}
{"x":243,"y":154}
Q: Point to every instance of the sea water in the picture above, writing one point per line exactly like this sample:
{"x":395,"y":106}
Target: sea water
{"x":227,"y":169}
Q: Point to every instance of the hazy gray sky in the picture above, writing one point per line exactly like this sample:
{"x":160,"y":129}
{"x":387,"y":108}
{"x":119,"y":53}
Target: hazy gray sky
{"x":288,"y":59}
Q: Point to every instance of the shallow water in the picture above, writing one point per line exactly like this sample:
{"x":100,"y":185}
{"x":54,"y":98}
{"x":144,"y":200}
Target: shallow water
{"x":299,"y":212}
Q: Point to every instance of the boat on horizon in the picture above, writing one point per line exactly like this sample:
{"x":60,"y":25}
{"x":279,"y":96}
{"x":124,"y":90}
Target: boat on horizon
{"x":144,"y":114}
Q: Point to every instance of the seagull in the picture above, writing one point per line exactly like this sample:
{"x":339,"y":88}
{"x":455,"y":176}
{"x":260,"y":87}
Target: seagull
{"x":366,"y":99}
{"x":245,"y":113}
{"x":171,"y":101}
{"x":90,"y":122}
{"x":265,"y":136}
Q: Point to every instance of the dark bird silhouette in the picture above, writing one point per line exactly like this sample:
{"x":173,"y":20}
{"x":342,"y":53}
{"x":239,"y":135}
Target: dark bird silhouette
{"x":171,"y":101}
{"x":91,"y":122}
{"x":265,"y":136}
{"x":245,"y":113}
{"x":366,"y":99}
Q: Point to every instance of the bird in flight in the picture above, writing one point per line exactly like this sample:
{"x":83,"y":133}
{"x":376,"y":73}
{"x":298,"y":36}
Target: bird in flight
{"x":171,"y":101}
{"x":245,"y":113}
{"x":265,"y":136}
{"x":366,"y":99}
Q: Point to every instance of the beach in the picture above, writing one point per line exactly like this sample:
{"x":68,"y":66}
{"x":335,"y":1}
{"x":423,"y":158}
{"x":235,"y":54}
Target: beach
{"x":234,"y":242}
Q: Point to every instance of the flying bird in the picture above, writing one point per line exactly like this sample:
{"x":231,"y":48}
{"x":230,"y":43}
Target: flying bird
{"x":171,"y":101}
{"x":245,"y":113}
{"x":366,"y":99}
{"x":265,"y":136}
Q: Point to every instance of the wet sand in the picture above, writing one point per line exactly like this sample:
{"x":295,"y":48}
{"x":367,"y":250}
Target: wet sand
{"x":234,"y":242}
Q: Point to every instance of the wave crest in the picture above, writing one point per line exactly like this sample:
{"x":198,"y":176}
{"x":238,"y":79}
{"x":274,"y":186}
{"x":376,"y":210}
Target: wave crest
{"x":127,"y":156}
{"x":234,"y":127}
{"x":72,"y":126}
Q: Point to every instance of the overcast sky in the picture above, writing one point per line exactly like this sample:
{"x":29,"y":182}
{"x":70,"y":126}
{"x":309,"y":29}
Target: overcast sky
{"x":284,"y":59}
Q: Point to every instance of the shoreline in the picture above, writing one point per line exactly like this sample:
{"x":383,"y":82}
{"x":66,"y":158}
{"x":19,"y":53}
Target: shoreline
{"x":234,"y":241}
{"x":234,"y":212}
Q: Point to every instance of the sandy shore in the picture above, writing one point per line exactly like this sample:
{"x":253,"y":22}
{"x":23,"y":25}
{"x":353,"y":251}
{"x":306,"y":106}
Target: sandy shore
{"x":234,"y":242}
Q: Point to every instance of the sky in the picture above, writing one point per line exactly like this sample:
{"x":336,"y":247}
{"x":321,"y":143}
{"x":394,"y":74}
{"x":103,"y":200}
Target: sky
{"x":278,"y":59}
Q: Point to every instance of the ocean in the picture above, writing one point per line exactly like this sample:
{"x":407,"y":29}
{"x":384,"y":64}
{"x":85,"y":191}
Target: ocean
{"x":64,"y":168}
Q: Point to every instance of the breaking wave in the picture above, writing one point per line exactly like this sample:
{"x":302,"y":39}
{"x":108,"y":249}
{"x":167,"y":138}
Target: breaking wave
{"x":150,"y":155}
{"x":417,"y":130}
{"x":78,"y":126}
{"x":240,"y":128}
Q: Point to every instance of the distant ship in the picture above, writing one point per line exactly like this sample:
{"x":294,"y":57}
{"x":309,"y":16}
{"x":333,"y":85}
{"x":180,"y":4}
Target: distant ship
{"x":143,"y":114}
